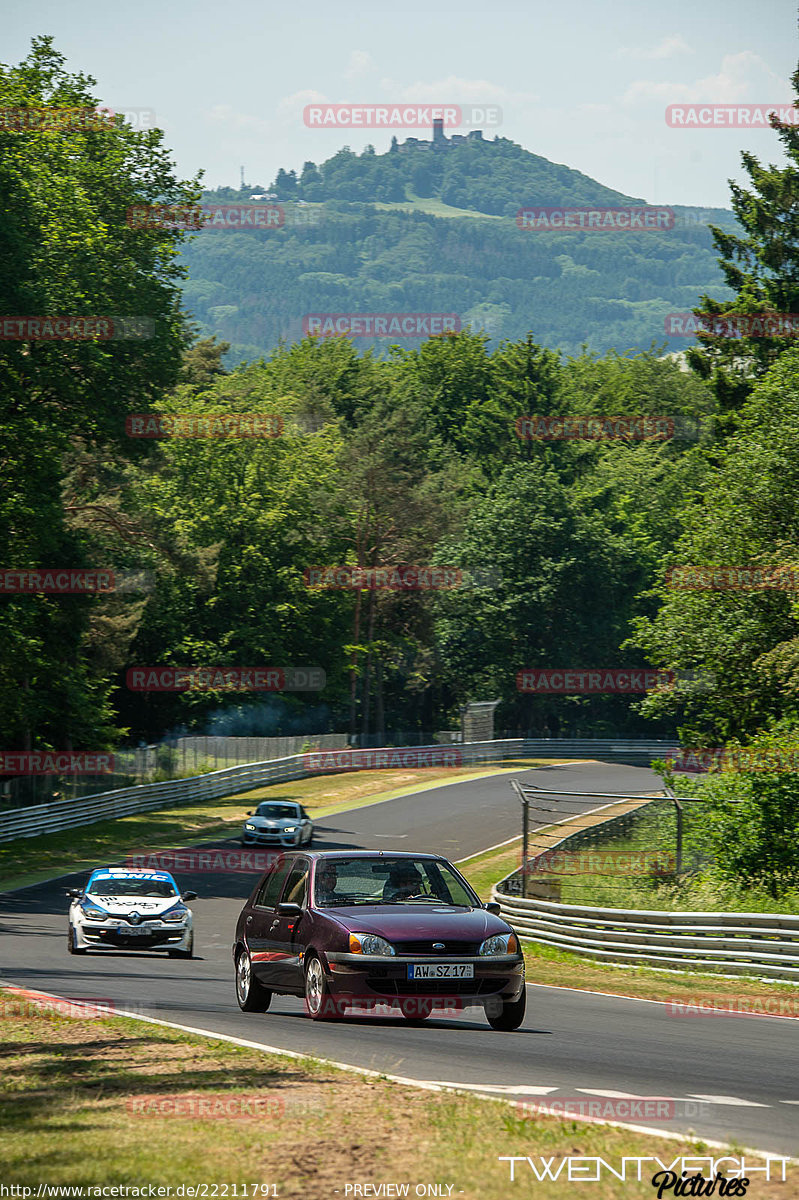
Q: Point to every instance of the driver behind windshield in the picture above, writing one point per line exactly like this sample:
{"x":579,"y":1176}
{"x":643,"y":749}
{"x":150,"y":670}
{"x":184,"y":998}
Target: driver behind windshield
{"x":403,"y":882}
{"x":326,"y":880}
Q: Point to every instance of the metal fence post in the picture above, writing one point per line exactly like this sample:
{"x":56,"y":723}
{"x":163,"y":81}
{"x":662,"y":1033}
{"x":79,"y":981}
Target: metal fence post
{"x":525,"y":832}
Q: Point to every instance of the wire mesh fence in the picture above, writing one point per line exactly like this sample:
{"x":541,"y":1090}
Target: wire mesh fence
{"x":602,"y":851}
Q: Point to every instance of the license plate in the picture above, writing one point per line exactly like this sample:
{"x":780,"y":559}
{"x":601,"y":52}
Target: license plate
{"x":440,"y":971}
{"x":132,"y":931}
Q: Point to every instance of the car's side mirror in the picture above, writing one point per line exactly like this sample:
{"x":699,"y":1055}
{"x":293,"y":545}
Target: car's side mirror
{"x":189,"y":896}
{"x":492,"y":906}
{"x":289,"y":910}
{"x":248,"y":814}
{"x":74,"y":892}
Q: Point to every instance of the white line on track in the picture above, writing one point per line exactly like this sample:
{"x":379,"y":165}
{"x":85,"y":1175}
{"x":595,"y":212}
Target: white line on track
{"x":423,"y":1084}
{"x":732,"y":1101}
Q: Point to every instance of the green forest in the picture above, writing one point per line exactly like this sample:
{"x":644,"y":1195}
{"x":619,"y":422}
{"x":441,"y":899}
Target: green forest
{"x":406,"y":456}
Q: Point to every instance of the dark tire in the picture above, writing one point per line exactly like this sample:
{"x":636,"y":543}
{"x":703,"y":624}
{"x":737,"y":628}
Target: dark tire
{"x":319,"y":1004}
{"x":310,"y":839}
{"x":250,"y":993}
{"x":416,"y":1012}
{"x":183,"y":953}
{"x":509,"y":1016}
{"x":71,"y":947}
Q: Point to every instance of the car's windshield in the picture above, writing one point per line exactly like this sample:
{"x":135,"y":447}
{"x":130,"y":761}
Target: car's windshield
{"x":389,"y":881}
{"x":276,"y":811}
{"x":132,"y":885}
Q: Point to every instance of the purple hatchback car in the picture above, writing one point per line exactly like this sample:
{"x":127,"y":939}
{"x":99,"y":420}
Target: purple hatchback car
{"x":361,"y":926}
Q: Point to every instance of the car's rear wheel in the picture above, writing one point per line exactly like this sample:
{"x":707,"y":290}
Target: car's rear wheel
{"x":71,"y":940}
{"x":416,"y":1011}
{"x":506,"y":1015}
{"x":250,"y":993}
{"x":188,"y":953}
{"x":318,"y":1001}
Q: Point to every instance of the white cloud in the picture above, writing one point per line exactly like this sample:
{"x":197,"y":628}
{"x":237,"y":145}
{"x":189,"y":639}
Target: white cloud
{"x":743,"y":76}
{"x":668,"y":48}
{"x":361,"y":63}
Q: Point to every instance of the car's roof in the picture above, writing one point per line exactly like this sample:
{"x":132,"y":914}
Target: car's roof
{"x":136,"y":872}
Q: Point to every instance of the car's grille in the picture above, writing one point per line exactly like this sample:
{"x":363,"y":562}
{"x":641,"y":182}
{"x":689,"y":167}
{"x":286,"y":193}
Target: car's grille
{"x":437,"y":987}
{"x":426,"y":947}
{"x":110,"y":937}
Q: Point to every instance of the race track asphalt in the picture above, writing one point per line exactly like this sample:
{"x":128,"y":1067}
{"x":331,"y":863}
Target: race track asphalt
{"x":728,"y":1077}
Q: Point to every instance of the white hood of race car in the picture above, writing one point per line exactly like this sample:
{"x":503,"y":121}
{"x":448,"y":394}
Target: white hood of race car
{"x":147,"y":906}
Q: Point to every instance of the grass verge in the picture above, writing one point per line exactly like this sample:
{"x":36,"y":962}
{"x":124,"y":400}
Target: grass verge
{"x":559,"y":968}
{"x":119,"y":1102}
{"x":32,"y":860}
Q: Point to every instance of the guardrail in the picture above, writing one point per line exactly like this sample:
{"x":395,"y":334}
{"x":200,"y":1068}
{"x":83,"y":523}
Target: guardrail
{"x":54,"y":816}
{"x":738,"y":943}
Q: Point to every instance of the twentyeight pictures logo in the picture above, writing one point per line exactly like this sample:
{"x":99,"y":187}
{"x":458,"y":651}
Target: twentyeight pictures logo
{"x":391,"y":324}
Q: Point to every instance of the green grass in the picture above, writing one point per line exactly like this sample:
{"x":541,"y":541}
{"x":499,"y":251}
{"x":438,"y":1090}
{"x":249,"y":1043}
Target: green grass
{"x":108,"y":1102}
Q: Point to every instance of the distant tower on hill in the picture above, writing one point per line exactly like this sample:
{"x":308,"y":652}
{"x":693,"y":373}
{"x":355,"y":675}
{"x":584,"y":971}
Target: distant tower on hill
{"x":439,"y":137}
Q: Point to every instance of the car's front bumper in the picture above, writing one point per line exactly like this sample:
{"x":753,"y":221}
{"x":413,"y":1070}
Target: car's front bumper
{"x":387,"y":977}
{"x":121,"y":935}
{"x":270,"y":838}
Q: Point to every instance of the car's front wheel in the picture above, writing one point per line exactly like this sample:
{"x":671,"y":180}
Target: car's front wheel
{"x":251,"y":995}
{"x":318,"y":1001}
{"x":72,"y":938}
{"x":506,"y":1015}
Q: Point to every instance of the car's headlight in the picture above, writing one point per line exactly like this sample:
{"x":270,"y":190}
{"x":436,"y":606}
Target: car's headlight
{"x":93,"y":911}
{"x":289,"y":828}
{"x":369,"y":943}
{"x":500,"y":943}
{"x":247,"y":825}
{"x":178,"y":913}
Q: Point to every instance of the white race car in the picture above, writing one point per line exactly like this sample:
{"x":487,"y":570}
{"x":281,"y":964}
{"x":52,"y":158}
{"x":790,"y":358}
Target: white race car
{"x":125,"y":909}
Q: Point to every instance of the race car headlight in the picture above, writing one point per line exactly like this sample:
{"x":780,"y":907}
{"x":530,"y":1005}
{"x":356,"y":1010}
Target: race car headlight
{"x":93,"y":912}
{"x":369,"y":943}
{"x":500,"y":943}
{"x":178,"y":913}
{"x":247,"y":825}
{"x":289,"y":828}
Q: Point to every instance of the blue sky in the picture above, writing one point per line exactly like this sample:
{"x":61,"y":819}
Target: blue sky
{"x":583,"y":83}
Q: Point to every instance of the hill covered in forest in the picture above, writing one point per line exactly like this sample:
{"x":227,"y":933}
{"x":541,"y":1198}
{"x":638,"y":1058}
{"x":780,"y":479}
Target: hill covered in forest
{"x":431,"y":227}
